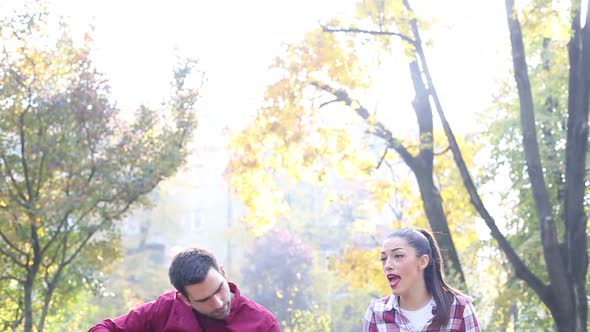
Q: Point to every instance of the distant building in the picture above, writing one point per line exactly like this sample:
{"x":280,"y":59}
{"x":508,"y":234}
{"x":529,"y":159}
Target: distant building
{"x":195,"y":208}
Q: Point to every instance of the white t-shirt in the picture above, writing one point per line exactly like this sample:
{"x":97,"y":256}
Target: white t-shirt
{"x":419,"y":318}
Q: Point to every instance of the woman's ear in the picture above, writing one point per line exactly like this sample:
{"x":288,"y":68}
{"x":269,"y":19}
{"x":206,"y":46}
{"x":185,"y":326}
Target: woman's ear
{"x":423,"y":261}
{"x":222,"y":271}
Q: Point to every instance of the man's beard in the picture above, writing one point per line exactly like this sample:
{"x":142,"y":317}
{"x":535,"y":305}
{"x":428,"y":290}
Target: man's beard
{"x":221,"y":313}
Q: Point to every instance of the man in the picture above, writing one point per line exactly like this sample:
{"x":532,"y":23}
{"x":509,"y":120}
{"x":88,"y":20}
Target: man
{"x":204,"y":301}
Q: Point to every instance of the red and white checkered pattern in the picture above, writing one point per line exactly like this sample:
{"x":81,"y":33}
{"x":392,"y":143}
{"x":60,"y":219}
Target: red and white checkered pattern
{"x":384,"y":315}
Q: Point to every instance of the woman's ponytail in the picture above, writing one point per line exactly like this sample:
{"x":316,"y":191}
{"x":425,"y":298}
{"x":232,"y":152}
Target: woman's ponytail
{"x":436,"y":284}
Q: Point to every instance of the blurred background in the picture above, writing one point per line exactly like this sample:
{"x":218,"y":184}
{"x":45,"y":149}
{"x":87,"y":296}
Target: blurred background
{"x":287,"y":137}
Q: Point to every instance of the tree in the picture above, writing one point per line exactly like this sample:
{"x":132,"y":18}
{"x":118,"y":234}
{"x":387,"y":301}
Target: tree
{"x":361,"y":267}
{"x":546,"y":46}
{"x":321,"y":73}
{"x":310,"y":321}
{"x":553,"y":106}
{"x":278,"y":273}
{"x":71,"y":166}
{"x":566,"y":261}
{"x":328,"y":64}
{"x":325,"y":228}
{"x":147,"y":234}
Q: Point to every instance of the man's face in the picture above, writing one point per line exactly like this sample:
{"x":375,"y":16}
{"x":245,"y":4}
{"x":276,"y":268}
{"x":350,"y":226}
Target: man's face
{"x":211,"y":297}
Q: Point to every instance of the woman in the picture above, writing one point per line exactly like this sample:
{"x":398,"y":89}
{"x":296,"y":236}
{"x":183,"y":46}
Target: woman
{"x":421,"y":300}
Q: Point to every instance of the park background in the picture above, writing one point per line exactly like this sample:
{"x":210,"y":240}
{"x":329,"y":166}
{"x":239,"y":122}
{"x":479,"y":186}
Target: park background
{"x":307,"y":130}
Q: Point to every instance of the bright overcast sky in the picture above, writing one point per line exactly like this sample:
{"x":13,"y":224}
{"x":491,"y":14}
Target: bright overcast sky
{"x":236,"y":41}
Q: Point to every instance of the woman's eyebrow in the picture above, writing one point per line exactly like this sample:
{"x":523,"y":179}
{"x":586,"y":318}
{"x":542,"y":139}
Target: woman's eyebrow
{"x":392,"y":250}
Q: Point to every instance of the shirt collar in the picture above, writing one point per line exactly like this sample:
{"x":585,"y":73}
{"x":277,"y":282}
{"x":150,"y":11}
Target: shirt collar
{"x":236,"y":301}
{"x":393,"y":303}
{"x":233,"y":288}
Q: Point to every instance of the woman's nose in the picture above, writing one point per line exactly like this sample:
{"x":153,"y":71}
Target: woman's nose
{"x":388,"y":265}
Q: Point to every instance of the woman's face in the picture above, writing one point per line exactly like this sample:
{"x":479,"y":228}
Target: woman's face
{"x":403,"y":268}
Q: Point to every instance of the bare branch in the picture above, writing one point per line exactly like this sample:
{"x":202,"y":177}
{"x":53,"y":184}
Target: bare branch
{"x":370,"y":32}
{"x":40,"y":174}
{"x":21,"y":123}
{"x":382,"y":157}
{"x":62,"y":222}
{"x":328,"y":102}
{"x":12,"y":258}
{"x":397,"y":213}
{"x":80,"y":247}
{"x":10,"y":244}
{"x":443,"y":151}
{"x":11,"y":277}
{"x":13,"y":180}
{"x":21,"y":128}
{"x":378,"y":129}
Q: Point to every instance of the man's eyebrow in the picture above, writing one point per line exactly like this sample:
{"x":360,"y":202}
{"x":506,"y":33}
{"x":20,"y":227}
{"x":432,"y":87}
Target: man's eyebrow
{"x":208,"y":297}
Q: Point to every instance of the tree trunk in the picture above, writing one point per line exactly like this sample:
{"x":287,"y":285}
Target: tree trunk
{"x":566,"y":272}
{"x":576,"y":219}
{"x":423,"y":169}
{"x":439,"y":224}
{"x":565,"y":296}
{"x":421,"y":165}
{"x":28,"y":312}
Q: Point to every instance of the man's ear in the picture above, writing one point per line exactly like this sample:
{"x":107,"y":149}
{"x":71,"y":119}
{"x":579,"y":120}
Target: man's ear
{"x":423,"y":261}
{"x":183,"y":298}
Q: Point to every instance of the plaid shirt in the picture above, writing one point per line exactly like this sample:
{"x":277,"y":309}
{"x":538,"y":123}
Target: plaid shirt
{"x":384,"y":315}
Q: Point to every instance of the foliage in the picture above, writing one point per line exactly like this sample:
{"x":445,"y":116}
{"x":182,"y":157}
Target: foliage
{"x":546,"y":31}
{"x":549,"y":179}
{"x":362,"y":269}
{"x":277,"y":273}
{"x":309,"y":321}
{"x":284,"y":146}
{"x":327,"y":219}
{"x":72,"y":166}
{"x":138,"y":278}
{"x":305,"y":135}
{"x":313,"y":105}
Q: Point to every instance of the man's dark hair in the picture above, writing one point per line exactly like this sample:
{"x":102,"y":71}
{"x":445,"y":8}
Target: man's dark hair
{"x":190,"y":267}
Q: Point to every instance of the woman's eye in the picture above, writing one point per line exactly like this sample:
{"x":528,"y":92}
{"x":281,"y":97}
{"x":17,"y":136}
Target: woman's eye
{"x":398,"y":256}
{"x":383,"y":259}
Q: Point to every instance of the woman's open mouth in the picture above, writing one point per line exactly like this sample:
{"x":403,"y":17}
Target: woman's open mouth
{"x":394,"y":280}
